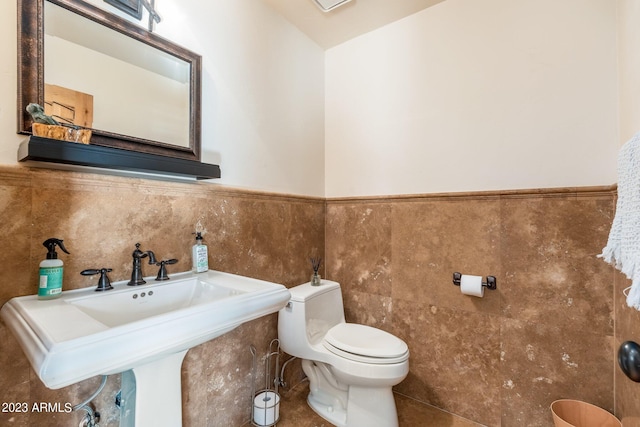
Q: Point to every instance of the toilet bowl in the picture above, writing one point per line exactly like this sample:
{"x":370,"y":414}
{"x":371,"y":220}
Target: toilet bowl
{"x":351,"y":367}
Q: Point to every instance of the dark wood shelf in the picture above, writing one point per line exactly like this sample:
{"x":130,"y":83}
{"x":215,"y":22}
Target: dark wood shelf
{"x":70,"y":153}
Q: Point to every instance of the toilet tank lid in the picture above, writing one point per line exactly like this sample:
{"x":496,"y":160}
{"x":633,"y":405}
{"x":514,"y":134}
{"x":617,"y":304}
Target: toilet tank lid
{"x":304,"y":292}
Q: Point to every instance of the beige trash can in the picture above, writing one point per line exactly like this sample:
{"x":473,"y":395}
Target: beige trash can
{"x":574,"y":413}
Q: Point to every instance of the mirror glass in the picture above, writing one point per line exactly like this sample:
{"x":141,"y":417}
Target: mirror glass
{"x":123,"y":81}
{"x":88,"y":67}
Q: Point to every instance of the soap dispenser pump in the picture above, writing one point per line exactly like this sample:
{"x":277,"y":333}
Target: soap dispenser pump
{"x":51,"y":271}
{"x":200,"y":255}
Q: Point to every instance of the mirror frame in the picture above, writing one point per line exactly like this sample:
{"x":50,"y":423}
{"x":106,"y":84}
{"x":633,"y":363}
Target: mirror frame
{"x":31,"y":74}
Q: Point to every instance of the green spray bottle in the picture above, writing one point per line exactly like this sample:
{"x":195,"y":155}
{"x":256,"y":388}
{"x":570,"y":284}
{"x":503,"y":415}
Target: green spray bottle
{"x":51,"y":269}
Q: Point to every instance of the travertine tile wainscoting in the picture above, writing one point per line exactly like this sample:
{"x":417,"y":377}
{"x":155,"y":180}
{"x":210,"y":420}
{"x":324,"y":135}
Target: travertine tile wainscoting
{"x":547,"y":332}
{"x":101,"y":218}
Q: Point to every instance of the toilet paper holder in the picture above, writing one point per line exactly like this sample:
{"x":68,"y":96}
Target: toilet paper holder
{"x":489,"y":284}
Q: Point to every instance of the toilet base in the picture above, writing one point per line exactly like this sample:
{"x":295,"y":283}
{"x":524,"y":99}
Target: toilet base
{"x":366,"y":407}
{"x":327,"y":397}
{"x":348,"y":405}
{"x":336,"y":416}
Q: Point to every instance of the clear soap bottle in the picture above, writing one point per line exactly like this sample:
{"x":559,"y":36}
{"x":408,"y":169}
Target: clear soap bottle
{"x":200,"y":255}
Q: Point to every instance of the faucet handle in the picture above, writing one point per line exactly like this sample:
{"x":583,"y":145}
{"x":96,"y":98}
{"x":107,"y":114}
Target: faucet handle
{"x":137,"y":253}
{"x":104,"y":284}
{"x":162,"y":273}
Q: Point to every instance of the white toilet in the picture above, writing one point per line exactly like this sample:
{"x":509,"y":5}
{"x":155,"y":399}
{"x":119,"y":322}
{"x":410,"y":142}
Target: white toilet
{"x":351,"y":368}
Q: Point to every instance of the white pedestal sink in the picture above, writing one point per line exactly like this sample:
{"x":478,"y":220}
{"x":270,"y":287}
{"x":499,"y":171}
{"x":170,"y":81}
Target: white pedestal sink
{"x":151,"y":399}
{"x":143,"y":332}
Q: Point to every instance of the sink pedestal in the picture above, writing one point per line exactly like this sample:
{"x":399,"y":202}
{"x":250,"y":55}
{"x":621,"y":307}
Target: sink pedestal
{"x":152,"y":393}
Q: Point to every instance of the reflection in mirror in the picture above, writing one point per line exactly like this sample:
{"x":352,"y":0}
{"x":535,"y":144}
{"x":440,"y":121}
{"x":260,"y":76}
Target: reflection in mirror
{"x":134,"y":89}
{"x":137,"y":90}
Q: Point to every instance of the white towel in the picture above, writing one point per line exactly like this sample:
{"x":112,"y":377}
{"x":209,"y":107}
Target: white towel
{"x":623,"y":246}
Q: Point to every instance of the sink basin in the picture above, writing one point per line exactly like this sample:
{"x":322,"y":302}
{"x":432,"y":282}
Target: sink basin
{"x":127,"y":306}
{"x":86,"y":333}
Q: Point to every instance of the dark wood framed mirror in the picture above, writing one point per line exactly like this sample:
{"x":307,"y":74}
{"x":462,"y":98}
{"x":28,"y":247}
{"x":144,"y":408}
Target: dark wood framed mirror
{"x":157,"y":127}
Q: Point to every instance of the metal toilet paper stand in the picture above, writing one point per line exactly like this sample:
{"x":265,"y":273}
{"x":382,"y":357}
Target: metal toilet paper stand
{"x":265,"y":403}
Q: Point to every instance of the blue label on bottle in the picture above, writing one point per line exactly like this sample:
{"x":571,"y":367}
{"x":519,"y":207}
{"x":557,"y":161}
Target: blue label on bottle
{"x":50,"y":281}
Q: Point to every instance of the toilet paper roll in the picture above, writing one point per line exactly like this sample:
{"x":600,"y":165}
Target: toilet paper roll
{"x":266,"y":408}
{"x":472,"y":285}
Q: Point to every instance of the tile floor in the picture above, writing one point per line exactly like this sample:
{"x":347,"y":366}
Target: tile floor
{"x":294,"y":412}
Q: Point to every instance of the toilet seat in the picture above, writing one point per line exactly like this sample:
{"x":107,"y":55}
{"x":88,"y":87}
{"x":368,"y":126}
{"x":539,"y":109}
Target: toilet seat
{"x":365,"y":344}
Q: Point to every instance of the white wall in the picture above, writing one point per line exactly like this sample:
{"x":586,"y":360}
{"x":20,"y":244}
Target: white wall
{"x":463,"y":96}
{"x":263,"y":92}
{"x":475,"y":95}
{"x":629,"y":61}
{"x":9,"y":141}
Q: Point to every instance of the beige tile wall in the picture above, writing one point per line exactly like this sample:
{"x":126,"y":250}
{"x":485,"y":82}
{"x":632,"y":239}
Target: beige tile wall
{"x":627,"y":326}
{"x":100,"y":219}
{"x":546,"y":333}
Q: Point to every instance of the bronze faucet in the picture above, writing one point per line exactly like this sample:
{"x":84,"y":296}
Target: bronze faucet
{"x":136,"y":274}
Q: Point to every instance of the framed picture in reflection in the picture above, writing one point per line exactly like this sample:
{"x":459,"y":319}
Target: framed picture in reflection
{"x":130,"y":7}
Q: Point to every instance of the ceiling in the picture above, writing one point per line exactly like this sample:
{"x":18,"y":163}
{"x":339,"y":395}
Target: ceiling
{"x":345,"y":22}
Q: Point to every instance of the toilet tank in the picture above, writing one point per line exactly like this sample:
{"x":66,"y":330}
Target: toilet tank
{"x":311,"y":312}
